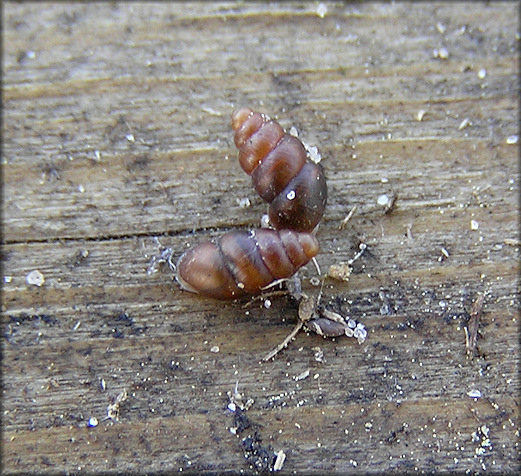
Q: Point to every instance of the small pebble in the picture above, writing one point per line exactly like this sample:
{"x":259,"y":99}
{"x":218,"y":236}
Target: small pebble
{"x":464,"y":123}
{"x":265,"y":221}
{"x":35,"y":278}
{"x":244,"y":202}
{"x":441,"y":27}
{"x":383,"y":200}
{"x":321,"y":10}
{"x":442,"y":53}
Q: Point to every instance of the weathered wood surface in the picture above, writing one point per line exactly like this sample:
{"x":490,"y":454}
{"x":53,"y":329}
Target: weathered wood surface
{"x":116,"y":133}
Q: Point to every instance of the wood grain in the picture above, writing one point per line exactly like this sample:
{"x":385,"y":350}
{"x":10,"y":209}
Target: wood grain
{"x":117,"y":144}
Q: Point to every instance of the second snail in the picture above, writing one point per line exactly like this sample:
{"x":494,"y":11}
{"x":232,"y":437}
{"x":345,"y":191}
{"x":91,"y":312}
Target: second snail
{"x":239,"y":263}
{"x":282,"y":174}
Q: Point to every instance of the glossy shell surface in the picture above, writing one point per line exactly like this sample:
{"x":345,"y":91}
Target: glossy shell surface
{"x":241,"y":262}
{"x":282,"y":174}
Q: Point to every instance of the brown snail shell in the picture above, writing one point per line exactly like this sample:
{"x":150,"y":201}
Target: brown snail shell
{"x":242,"y":262}
{"x":282,"y":174}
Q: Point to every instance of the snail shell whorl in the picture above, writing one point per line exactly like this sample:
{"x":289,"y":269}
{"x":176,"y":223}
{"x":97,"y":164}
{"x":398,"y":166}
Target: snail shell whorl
{"x":282,"y":174}
{"x":242,"y":262}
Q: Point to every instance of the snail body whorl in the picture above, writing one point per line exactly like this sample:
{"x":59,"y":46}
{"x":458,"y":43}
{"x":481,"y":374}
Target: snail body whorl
{"x":241,"y":262}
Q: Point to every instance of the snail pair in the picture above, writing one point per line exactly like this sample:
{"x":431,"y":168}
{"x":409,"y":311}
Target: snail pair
{"x":242,"y":262}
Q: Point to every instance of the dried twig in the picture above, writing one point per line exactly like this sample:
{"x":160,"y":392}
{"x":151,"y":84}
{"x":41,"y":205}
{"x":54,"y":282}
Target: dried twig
{"x":471,"y":329}
{"x":343,"y":224}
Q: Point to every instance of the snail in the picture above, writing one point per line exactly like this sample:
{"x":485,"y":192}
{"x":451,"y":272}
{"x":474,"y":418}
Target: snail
{"x":283,"y":175}
{"x":242,"y":262}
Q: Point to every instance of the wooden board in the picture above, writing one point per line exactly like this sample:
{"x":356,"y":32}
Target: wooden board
{"x":117,"y":144}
